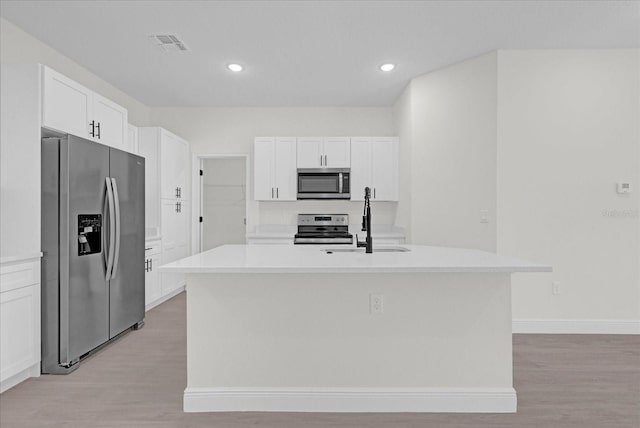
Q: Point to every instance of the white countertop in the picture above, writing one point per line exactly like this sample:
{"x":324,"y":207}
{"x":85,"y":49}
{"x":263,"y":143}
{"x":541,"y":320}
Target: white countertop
{"x":311,"y":259}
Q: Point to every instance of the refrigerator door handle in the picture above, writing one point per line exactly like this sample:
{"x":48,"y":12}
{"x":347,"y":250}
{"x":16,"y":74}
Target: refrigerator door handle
{"x":112,"y":229}
{"x":117,"y":209}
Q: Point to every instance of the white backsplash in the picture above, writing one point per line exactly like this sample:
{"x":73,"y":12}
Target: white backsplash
{"x":285,"y":213}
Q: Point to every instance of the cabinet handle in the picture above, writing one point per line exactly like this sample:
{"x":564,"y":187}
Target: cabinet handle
{"x":150,"y":265}
{"x":177,"y":207}
{"x":98,"y":127}
{"x":93,"y":128}
{"x":325,"y":160}
{"x":176,"y":192}
{"x":180,"y":192}
{"x":272,"y":193}
{"x":320,"y":160}
{"x":374,"y":193}
{"x":146,"y":265}
{"x":277,"y":193}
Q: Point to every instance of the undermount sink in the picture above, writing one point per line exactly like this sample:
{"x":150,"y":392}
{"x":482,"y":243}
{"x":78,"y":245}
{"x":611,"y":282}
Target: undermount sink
{"x":361,"y":250}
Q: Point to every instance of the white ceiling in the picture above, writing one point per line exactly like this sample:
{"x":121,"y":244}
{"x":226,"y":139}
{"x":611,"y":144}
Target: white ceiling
{"x":305,"y":53}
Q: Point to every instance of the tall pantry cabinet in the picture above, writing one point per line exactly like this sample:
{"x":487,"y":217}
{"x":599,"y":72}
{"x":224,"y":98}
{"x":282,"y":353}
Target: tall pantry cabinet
{"x":167,"y":198}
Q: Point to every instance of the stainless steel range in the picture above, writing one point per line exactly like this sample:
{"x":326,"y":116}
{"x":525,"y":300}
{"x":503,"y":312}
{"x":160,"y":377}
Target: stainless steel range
{"x":323,"y":229}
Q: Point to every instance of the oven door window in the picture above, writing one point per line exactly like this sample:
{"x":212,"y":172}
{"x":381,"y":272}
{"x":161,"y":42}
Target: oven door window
{"x":316,"y":183}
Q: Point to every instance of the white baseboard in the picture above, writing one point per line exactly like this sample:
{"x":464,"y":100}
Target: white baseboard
{"x":11,"y":381}
{"x":575,"y":326}
{"x":164,"y":298}
{"x":449,"y":400}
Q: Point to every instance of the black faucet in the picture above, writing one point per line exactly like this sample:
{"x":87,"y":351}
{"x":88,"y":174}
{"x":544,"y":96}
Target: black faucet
{"x":366,"y":223}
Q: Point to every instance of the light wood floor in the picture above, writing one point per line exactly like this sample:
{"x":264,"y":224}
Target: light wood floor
{"x":562,"y":381}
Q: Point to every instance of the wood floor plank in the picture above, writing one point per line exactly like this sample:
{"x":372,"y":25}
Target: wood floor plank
{"x":581,"y":381}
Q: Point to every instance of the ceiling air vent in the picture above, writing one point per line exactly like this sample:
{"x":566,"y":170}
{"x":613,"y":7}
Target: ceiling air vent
{"x":169,"y":42}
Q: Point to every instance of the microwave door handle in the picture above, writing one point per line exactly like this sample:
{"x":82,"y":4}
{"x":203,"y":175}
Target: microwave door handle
{"x":340,"y":182}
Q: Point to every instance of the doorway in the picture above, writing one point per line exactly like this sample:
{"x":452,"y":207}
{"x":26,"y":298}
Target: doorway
{"x":223,"y":201}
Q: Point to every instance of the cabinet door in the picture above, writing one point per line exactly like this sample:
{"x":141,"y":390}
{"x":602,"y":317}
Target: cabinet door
{"x":263,"y":169}
{"x":132,"y":139}
{"x":148,"y":146}
{"x":309,"y":152}
{"x":111,"y":122}
{"x":152,"y":279}
{"x":66,"y":105}
{"x":361,"y":149}
{"x":183,"y":225}
{"x":170,"y":158}
{"x":385,"y":169}
{"x":19,"y":330}
{"x":183,"y":163}
{"x":286,"y":177}
{"x":171,"y":281}
{"x":170,"y":225}
{"x":337,"y":152}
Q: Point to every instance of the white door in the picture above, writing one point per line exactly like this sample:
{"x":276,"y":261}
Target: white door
{"x":285,"y":174}
{"x":111,"y":119}
{"x":263,"y":169}
{"x":309,"y":152}
{"x":223,"y":202}
{"x":337,"y":152}
{"x":66,"y":105}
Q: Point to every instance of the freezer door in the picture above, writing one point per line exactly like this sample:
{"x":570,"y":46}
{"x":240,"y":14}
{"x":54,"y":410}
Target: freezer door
{"x":127,"y":282}
{"x":84,"y":292}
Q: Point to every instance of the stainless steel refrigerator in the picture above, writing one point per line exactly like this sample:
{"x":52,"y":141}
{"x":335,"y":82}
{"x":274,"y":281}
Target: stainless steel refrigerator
{"x":93,"y":248}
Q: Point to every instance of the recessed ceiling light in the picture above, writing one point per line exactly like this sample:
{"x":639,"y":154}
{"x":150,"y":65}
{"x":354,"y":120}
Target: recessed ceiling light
{"x":235,"y":67}
{"x":387,"y":67}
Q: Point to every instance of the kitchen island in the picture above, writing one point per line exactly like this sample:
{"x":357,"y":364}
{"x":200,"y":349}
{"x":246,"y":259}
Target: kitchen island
{"x":298,"y":328}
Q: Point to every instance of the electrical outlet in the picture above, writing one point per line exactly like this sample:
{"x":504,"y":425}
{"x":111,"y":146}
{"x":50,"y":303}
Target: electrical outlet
{"x":555,"y":287}
{"x":376,"y":304}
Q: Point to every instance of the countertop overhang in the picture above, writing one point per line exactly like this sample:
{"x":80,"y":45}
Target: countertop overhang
{"x":312,"y":259}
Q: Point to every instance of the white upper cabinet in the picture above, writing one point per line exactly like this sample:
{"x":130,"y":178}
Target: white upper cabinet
{"x":274,"y":173}
{"x":132,"y":138}
{"x":174,"y":166}
{"x":71,"y":108}
{"x":111,"y":123}
{"x":374,"y":164}
{"x":66,"y":104}
{"x":167,"y":162}
{"x":324,"y":152}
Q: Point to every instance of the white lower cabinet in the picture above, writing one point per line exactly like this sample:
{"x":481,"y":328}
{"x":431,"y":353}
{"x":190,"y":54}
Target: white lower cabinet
{"x":19,"y":322}
{"x":152,"y":285}
{"x":175,"y":240}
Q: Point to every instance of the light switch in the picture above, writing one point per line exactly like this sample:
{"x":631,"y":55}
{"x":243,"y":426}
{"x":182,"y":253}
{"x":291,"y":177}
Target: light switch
{"x":624,"y":187}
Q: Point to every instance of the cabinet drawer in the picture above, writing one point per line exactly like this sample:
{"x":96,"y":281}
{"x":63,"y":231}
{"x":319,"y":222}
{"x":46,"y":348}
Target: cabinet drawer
{"x":152,"y":247}
{"x":19,"y":274}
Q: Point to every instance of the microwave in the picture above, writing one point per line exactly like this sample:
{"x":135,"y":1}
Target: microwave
{"x":324,"y":183}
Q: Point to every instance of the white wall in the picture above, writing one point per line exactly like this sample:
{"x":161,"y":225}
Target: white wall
{"x":19,"y":47}
{"x":402,"y":121}
{"x":19,"y":160}
{"x":232,"y":131}
{"x":453,"y":155}
{"x":568,"y":131}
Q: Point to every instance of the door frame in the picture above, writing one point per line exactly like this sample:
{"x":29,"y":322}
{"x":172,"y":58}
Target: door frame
{"x":196,"y":203}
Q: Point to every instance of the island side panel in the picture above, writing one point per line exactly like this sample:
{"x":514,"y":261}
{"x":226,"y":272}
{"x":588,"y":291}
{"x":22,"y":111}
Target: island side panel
{"x":440,"y":330}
